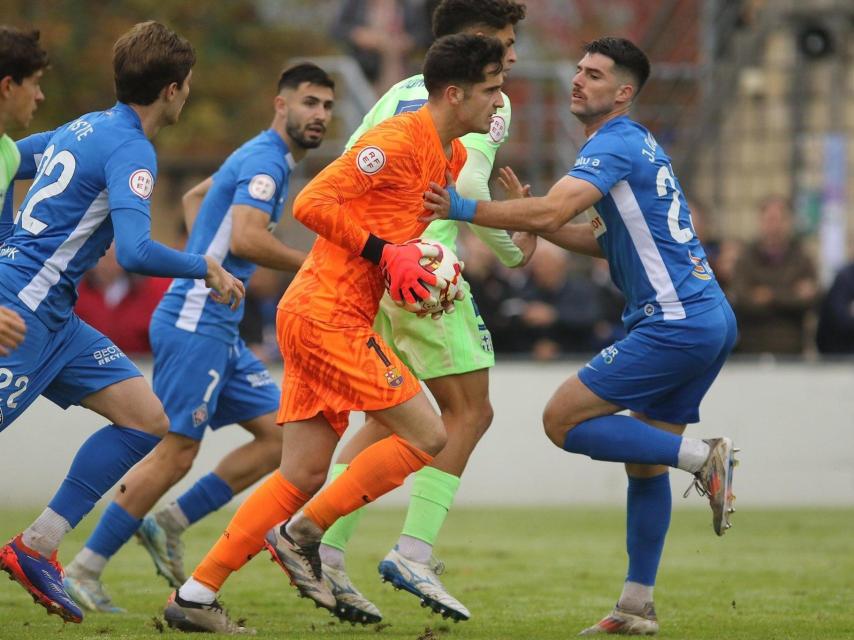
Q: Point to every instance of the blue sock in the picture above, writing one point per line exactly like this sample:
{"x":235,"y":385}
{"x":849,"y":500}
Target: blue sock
{"x":206,"y":496}
{"x":647,"y":519}
{"x":623,"y":439}
{"x":115,"y":527}
{"x":99,"y":464}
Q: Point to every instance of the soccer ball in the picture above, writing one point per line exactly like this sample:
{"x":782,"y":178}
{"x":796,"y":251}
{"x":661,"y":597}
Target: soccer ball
{"x":447,"y":267}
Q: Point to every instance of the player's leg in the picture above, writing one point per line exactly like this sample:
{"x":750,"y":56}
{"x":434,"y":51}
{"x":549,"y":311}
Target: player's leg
{"x":111,"y":385}
{"x":417,"y":434}
{"x":245,"y":394}
{"x":648,"y":510}
{"x":463,"y":400}
{"x":307,"y":448}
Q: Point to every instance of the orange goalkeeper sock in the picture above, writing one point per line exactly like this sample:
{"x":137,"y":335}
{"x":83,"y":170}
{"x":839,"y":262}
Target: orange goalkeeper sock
{"x":374,"y":472}
{"x":274,"y":501}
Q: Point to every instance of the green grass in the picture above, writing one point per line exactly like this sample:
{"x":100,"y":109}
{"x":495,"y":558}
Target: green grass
{"x":525,"y":574}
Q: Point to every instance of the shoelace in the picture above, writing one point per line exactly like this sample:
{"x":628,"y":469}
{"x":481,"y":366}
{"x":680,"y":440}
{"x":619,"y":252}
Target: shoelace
{"x":697,"y":484}
{"x":311,"y":552}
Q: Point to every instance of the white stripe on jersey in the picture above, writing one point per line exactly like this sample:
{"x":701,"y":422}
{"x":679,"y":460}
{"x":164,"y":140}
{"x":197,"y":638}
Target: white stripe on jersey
{"x":36,"y":291}
{"x":194,"y":302}
{"x":653,"y":263}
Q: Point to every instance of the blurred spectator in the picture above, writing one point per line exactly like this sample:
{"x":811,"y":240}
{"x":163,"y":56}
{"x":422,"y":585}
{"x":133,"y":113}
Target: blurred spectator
{"x":775,"y":285}
{"x":729,"y":253}
{"x":380,"y":34}
{"x":836,"y":318}
{"x":564,"y":309}
{"x":258,"y":327}
{"x":119,"y":304}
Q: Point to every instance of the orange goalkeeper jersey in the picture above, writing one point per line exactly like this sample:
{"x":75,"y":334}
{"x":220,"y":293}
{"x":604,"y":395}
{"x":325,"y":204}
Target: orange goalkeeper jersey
{"x":378,"y":187}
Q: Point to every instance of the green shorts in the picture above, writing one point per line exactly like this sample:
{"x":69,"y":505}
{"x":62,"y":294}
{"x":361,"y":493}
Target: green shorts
{"x":456,"y":343}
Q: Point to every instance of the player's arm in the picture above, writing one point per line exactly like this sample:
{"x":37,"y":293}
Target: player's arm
{"x":251,"y":240}
{"x":191,"y":201}
{"x":474,"y":183}
{"x":547,"y":214}
{"x":324,"y":206}
{"x":12,"y":330}
{"x":576,"y":237}
{"x":130,"y":181}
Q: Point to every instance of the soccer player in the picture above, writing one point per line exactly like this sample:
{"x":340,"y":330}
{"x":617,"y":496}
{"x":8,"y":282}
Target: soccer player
{"x":94,"y":183}
{"x":680,"y":327}
{"x":203,"y":372}
{"x":360,"y":205}
{"x":452,"y":355}
{"x":22,"y":63}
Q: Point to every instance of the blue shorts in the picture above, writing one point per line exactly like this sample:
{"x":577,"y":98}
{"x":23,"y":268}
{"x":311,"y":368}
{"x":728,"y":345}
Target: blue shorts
{"x":63,"y":365}
{"x":204,"y":382}
{"x":663,"y":369}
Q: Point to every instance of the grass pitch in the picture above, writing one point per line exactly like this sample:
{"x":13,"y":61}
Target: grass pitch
{"x":533,"y":573}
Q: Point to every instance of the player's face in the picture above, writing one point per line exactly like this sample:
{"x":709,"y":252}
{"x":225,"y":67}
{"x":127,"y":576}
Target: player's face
{"x":481,"y":102}
{"x":309,"y":112}
{"x":25,"y":98}
{"x":595,"y":87}
{"x":179,"y":99}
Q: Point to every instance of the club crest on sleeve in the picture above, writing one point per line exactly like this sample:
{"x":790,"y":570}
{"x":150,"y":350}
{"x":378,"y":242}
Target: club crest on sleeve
{"x":497,"y":128}
{"x":262,"y":187}
{"x":141,"y":182}
{"x":370,"y":160}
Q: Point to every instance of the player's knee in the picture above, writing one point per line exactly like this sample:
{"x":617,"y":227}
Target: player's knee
{"x":433,"y":440}
{"x":157,"y":423}
{"x":555,"y":426}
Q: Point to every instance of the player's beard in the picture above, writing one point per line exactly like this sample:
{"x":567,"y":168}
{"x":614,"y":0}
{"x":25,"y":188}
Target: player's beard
{"x":297,"y":134}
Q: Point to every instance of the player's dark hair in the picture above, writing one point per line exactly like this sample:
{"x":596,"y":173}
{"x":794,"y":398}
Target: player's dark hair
{"x":20,"y":53}
{"x":455,"y":16}
{"x":148,"y":58}
{"x":294,"y":76}
{"x":461,"y":59}
{"x":626,"y":56}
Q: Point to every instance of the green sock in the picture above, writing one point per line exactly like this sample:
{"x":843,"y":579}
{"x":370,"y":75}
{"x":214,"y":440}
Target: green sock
{"x":339,"y":534}
{"x":432,"y":495}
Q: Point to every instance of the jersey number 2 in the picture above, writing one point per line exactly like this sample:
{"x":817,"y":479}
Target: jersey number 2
{"x":48,"y":164}
{"x":666,"y":181}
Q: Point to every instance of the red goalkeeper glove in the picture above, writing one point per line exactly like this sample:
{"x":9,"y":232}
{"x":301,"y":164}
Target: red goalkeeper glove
{"x":405,"y":278}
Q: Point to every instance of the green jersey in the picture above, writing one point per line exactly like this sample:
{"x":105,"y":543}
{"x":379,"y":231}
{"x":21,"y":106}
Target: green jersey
{"x":10,"y":160}
{"x":410,"y":95}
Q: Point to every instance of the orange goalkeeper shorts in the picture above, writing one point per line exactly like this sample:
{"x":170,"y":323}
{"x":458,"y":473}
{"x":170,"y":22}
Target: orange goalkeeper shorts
{"x":333,"y":370}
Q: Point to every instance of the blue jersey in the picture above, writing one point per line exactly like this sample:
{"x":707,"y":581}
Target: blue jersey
{"x":30,"y":149}
{"x":643,"y":225}
{"x":95,"y":172}
{"x":257,"y":175}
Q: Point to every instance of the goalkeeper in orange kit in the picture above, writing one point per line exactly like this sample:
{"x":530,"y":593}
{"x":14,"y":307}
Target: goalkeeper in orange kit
{"x":362,"y":206}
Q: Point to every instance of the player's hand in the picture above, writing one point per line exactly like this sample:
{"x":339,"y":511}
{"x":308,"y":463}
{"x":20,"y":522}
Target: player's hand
{"x":405,"y":277}
{"x":12,"y":330}
{"x":225,"y":288}
{"x":513,"y":188}
{"x":446,"y":203}
{"x":527,"y":243}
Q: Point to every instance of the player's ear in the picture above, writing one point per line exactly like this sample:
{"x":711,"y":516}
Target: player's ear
{"x":626,"y":93}
{"x":454,"y":94}
{"x":169,"y":92}
{"x":5,"y":85}
{"x":280,"y":104}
